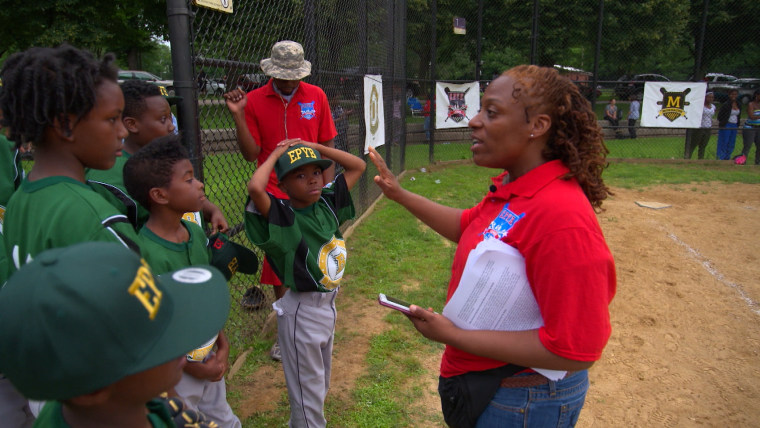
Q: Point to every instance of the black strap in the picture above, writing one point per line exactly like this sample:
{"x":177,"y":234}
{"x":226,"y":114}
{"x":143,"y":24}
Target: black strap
{"x":124,"y":199}
{"x":132,"y":245}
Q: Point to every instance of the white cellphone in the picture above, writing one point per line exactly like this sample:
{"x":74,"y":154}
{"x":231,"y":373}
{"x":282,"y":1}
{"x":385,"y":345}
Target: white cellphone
{"x":394,"y":303}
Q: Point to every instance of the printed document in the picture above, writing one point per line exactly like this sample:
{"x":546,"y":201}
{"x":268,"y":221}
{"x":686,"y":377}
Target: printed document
{"x":494,"y":294}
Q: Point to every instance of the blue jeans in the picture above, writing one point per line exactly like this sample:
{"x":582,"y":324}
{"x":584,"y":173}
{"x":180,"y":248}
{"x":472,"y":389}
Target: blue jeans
{"x":556,"y":404}
{"x":726,"y":141}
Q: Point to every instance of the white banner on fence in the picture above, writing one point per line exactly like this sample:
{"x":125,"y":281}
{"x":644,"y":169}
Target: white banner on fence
{"x":455,"y":104}
{"x":673,"y":104}
{"x":374,"y":114}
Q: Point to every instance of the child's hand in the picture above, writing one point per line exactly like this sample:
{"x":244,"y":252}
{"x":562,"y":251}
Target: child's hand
{"x":212,"y":369}
{"x":235,"y":100}
{"x":284,"y":145}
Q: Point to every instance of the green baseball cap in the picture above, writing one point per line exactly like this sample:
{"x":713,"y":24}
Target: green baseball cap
{"x":79,"y":318}
{"x":296,"y":157}
{"x":231,"y":257}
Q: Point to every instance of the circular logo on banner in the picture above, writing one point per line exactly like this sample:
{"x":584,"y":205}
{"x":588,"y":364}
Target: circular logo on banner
{"x":374,"y":120}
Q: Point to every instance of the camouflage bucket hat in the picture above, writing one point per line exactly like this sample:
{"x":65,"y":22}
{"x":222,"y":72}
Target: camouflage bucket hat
{"x":287,"y":62}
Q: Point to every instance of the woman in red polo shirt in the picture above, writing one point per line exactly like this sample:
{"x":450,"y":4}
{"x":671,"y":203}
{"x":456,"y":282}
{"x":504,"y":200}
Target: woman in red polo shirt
{"x":535,"y":126}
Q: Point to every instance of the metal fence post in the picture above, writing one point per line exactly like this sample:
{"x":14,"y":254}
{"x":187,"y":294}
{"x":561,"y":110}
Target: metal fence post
{"x":433,"y":34}
{"x":179,"y":16}
{"x":534,"y":35}
{"x":597,"y":51}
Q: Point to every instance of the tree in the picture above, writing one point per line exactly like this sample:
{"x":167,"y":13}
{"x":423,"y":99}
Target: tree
{"x":125,"y":28}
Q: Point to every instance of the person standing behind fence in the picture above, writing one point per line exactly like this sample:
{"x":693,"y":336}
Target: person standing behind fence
{"x":729,"y":116}
{"x":537,"y":127}
{"x":633,"y":116}
{"x":284,"y":108}
{"x":751,"y":130}
{"x":699,"y":137}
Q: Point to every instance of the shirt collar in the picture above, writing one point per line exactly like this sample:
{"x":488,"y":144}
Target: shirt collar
{"x":530,"y":183}
{"x":275,"y":91}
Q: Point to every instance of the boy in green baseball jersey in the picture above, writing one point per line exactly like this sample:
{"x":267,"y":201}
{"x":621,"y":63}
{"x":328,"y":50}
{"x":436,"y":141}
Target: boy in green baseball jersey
{"x":13,"y":406}
{"x":147,"y":116}
{"x":107,"y":337}
{"x":303,"y":243}
{"x":160,"y":177}
{"x":68,"y":106}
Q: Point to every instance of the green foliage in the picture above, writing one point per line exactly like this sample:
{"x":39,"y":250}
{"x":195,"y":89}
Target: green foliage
{"x":125,"y":28}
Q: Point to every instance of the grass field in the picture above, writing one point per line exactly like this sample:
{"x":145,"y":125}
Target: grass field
{"x":392,"y":252}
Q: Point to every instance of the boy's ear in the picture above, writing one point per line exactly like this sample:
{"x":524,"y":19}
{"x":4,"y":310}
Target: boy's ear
{"x":92,"y":399}
{"x":60,"y":131}
{"x":131,"y":124}
{"x":158,"y":195}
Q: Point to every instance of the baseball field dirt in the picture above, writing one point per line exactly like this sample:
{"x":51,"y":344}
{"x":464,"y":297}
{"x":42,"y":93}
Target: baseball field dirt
{"x":685,"y":345}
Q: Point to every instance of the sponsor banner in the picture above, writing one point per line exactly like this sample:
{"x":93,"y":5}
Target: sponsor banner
{"x":673,"y":104}
{"x":220,"y":5}
{"x":374,"y":114}
{"x":455,"y":104}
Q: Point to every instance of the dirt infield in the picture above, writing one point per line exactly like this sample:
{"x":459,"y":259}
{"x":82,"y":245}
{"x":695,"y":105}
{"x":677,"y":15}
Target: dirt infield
{"x":685,"y":341}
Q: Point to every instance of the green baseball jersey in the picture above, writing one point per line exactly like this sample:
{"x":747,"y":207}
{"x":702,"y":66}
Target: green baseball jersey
{"x":109,"y":183}
{"x":56,"y":212}
{"x":165,"y":256}
{"x":304,"y":246}
{"x":11,"y":175}
{"x":51,"y":416}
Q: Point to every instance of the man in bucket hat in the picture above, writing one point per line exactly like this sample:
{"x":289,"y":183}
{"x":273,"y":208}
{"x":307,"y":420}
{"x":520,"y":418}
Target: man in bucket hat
{"x":284,"y":108}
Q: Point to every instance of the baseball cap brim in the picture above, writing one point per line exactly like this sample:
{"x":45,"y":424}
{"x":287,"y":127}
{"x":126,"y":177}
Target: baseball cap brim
{"x":201,"y":303}
{"x":173,"y":99}
{"x":322,"y":163}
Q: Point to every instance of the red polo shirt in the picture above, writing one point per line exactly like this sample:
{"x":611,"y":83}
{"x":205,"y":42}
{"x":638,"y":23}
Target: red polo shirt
{"x":271,"y":119}
{"x":569,"y":266}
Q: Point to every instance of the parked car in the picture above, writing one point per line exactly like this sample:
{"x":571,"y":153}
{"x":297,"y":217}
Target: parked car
{"x":629,"y":86}
{"x":148,"y":77}
{"x":251,"y":81}
{"x":216,"y":86}
{"x":746,"y":88}
{"x":719,"y":80}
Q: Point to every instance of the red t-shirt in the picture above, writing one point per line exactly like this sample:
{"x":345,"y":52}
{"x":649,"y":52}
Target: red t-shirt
{"x":568,"y":264}
{"x":272,"y":119}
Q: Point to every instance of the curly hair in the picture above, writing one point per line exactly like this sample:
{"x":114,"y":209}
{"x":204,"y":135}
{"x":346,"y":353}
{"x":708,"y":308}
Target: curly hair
{"x":42,"y":86}
{"x":152,"y":167}
{"x":135,"y":93}
{"x":575,"y":138}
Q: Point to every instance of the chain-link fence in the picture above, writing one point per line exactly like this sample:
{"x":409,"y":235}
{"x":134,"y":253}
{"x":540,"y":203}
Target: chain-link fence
{"x":609,"y":48}
{"x":344,"y":40}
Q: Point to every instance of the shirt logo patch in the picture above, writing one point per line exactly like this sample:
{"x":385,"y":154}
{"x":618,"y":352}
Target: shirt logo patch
{"x":307,"y":110}
{"x":499,"y":227}
{"x":332,"y":262}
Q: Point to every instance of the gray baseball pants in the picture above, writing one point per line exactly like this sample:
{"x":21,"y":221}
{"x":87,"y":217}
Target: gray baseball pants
{"x":305,"y":329}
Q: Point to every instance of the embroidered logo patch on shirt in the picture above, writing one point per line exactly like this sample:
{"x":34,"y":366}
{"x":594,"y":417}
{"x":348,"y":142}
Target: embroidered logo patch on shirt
{"x":499,"y":227}
{"x":307,"y":110}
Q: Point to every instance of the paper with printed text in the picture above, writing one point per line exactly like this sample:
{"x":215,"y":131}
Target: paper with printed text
{"x":494,"y":294}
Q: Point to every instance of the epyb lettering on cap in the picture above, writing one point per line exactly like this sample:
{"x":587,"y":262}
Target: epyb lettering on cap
{"x":299,"y":152}
{"x":144,"y":288}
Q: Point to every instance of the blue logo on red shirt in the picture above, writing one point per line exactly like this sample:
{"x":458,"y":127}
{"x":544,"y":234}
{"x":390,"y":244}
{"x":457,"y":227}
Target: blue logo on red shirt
{"x":307,"y":110}
{"x":500,"y":226}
